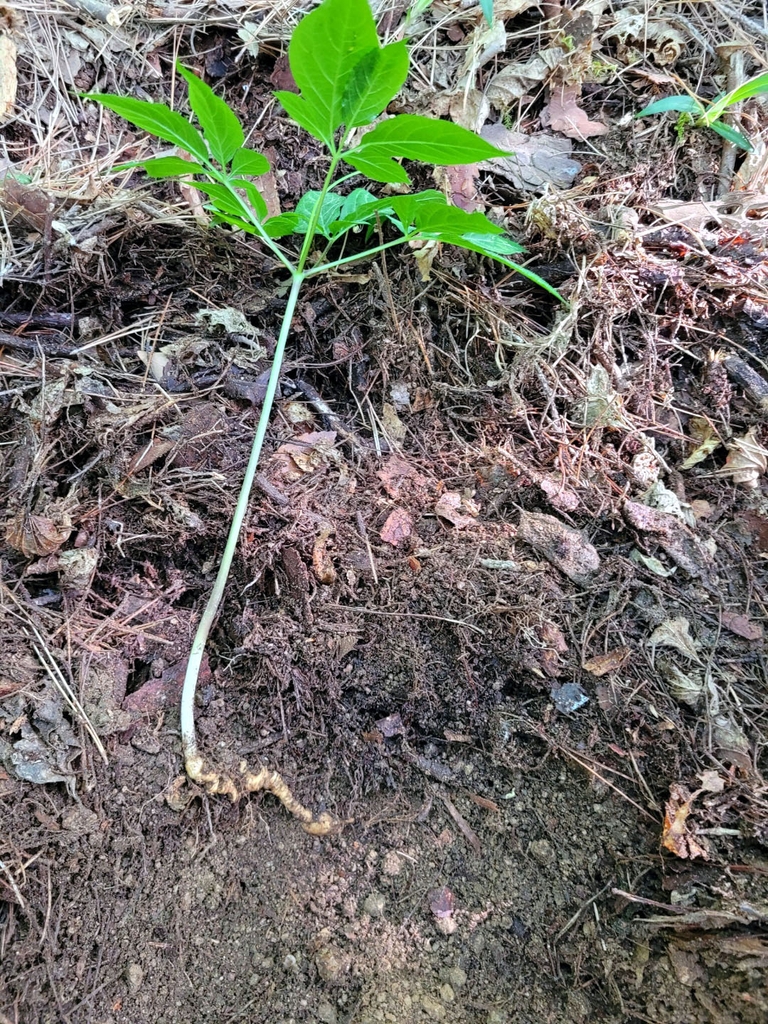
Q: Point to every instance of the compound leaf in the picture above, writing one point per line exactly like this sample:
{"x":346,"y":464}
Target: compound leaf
{"x":283,"y":224}
{"x":255,"y":197}
{"x":221,"y":128}
{"x":157,"y":119}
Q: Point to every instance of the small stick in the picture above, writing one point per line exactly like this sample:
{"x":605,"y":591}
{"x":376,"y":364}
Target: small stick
{"x":364,"y":534}
{"x":732,"y":56}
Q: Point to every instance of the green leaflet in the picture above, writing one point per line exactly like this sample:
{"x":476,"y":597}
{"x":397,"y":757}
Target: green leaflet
{"x":248,"y":161}
{"x":325,"y":47}
{"x":221,"y":128}
{"x":416,"y":138}
{"x":163,"y":166}
{"x":376,"y":79}
{"x":158,"y":119}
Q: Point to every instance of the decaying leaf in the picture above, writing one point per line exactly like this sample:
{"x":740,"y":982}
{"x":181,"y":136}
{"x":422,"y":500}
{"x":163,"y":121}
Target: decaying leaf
{"x":396,"y":474}
{"x":39,"y":534}
{"x":563,"y":114}
{"x":637,"y":33}
{"x":306,"y":453}
{"x":485,"y":43}
{"x":469,"y":108}
{"x":676,"y":633}
{"x":538,"y":161}
{"x":458,"y":510}
{"x":397,"y":528}
{"x":676,"y":836}
{"x":515,"y":80}
{"x":645,"y":468}
{"x":563,"y":546}
{"x":611,"y":661}
{"x":747,"y":460}
{"x":686,"y":687}
{"x":741,"y":626}
{"x":601,"y":405}
{"x":731,"y":742}
{"x":676,"y":538}
{"x":459,"y":183}
{"x":393,"y":426}
{"x":708,"y":441}
{"x":663,"y":500}
{"x":651,"y":563}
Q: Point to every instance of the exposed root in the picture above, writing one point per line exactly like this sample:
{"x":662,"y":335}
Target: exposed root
{"x":253,"y":782}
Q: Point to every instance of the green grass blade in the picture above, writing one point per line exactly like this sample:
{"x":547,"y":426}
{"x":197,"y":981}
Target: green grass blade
{"x":681,"y":104}
{"x":731,"y":135}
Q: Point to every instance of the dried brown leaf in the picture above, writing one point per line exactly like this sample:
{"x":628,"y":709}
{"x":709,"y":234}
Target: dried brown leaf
{"x":563,"y":114}
{"x":741,"y":626}
{"x":747,"y":460}
{"x":611,"y":661}
{"x":676,"y":836}
{"x":563,"y":546}
{"x":459,"y":511}
{"x":35,"y":534}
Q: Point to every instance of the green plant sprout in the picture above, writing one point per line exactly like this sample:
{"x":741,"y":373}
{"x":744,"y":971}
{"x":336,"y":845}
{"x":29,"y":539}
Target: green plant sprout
{"x":708,"y":115}
{"x":346,"y":80}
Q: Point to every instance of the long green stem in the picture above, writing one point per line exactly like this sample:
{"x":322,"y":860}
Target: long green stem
{"x":188,"y":737}
{"x":321,"y":268}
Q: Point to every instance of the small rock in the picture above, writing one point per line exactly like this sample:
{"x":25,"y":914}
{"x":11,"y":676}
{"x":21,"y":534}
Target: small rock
{"x":456,"y":977}
{"x":542,"y":851}
{"x":332,"y":964}
{"x":80,"y":819}
{"x":497,"y":1017}
{"x":146,"y":741}
{"x":374,"y":904}
{"x":433,"y":1007}
{"x":326,"y":1012}
{"x":393,"y":864}
{"x":134,"y":975}
{"x":290,"y":963}
{"x":447,"y":994}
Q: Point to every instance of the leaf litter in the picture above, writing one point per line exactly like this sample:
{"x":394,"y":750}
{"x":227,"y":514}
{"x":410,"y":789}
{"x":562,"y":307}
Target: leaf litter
{"x":576,"y":560}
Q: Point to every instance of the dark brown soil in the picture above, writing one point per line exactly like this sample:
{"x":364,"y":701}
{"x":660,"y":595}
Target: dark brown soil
{"x":429,"y":584}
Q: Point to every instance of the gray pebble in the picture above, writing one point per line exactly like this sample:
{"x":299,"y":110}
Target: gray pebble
{"x":542,"y":851}
{"x":432,"y":1007}
{"x":374,"y":904}
{"x":134,"y":976}
{"x":326,"y":1012}
{"x":456,"y":977}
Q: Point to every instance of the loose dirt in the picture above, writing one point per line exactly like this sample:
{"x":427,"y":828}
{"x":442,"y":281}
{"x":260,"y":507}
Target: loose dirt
{"x":482,"y":609}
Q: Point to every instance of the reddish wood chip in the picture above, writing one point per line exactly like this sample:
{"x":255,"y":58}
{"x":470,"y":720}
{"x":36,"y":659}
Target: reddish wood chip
{"x":397,"y":529}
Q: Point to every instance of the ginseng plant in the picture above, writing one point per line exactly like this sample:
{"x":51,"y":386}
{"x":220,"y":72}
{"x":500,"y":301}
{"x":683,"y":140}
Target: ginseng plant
{"x":346,"y":79}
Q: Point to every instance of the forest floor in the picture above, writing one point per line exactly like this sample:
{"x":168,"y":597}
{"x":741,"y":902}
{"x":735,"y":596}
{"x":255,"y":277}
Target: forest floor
{"x":500,"y":600}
